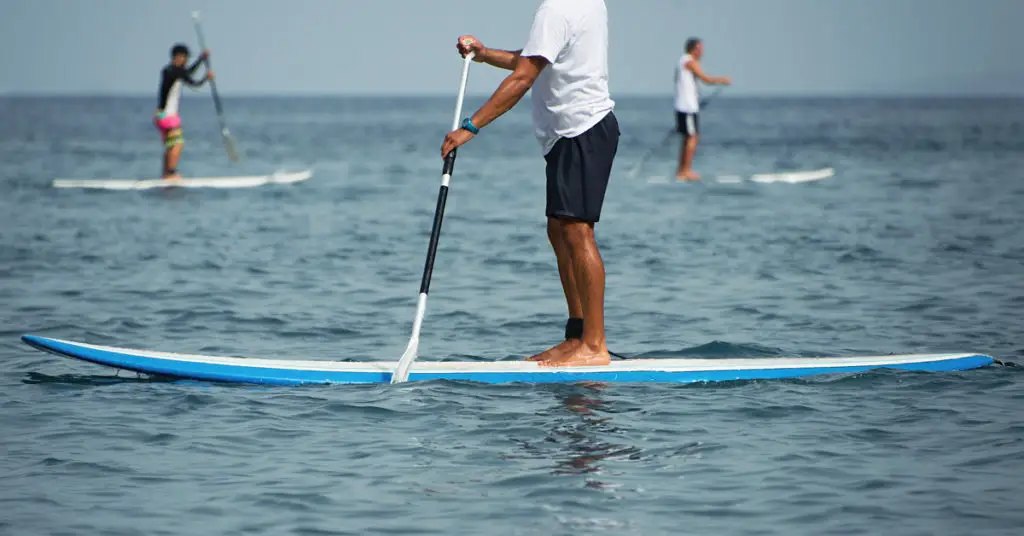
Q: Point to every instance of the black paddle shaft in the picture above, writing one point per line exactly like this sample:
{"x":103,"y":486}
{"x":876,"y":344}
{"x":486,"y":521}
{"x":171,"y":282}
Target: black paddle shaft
{"x":209,"y":67}
{"x":435,"y":232}
{"x":213,"y":91}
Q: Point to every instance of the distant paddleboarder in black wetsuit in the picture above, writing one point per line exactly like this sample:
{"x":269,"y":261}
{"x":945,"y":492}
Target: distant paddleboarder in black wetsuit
{"x":167,"y":120}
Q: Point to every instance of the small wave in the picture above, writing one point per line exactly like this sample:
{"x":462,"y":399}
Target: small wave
{"x":717,"y":349}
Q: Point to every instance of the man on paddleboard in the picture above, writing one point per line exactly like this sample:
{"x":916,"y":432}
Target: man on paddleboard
{"x":565,"y":62}
{"x":688,"y":104}
{"x":166,"y":119}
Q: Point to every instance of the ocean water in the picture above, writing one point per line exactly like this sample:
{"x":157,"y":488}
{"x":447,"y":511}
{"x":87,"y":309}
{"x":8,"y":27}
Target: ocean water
{"x":915,"y":245}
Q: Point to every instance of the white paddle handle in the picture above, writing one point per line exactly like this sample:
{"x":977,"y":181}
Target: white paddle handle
{"x":462,"y":90}
{"x":199,"y":30}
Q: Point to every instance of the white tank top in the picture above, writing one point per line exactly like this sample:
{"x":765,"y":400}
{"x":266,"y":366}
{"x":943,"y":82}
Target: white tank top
{"x":687,"y":95}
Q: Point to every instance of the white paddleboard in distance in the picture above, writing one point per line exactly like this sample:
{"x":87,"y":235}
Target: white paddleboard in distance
{"x":186,"y":182}
{"x":294,"y":372}
{"x":791,"y":177}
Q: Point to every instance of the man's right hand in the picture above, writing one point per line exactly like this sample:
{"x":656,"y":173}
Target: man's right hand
{"x":467,"y":44}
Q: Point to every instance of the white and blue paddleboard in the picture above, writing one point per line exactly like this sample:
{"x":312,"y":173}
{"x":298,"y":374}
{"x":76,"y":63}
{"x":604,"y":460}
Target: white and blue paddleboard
{"x":288,"y":372}
{"x":186,"y":182}
{"x":789,"y":177}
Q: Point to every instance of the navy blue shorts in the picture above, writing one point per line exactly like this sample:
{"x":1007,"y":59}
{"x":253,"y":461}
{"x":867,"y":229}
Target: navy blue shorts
{"x":687,"y":124}
{"x":578,"y":170}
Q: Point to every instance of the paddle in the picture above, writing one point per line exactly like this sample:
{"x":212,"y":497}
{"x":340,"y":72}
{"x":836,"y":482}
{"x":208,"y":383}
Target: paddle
{"x":668,"y":136}
{"x":229,"y":144}
{"x":401,"y":373}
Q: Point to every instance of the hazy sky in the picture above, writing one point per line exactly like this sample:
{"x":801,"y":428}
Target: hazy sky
{"x":408,"y":46}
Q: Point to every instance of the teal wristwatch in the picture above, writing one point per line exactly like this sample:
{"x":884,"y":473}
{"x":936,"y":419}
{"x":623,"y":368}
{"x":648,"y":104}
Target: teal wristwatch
{"x":467,"y":124}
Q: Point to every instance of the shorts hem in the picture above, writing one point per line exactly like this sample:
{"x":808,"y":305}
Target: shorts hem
{"x":561,"y":215}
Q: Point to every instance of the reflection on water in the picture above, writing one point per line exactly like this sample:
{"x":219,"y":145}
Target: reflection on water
{"x":119,"y":376}
{"x":588,"y":422}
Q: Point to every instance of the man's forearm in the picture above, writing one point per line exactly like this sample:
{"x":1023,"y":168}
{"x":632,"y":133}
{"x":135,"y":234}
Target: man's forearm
{"x":502,"y":59}
{"x":714,"y":80}
{"x":511,"y":90}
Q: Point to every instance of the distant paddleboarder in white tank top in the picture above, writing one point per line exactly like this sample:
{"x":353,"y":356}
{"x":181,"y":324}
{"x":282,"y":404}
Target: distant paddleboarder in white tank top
{"x":688,"y":104}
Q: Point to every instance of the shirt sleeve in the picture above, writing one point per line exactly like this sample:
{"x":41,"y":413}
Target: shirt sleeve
{"x":194,"y":66}
{"x":548,"y":35}
{"x":184,"y":74}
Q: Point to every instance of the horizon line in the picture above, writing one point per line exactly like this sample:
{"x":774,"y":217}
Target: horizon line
{"x":625,"y":95}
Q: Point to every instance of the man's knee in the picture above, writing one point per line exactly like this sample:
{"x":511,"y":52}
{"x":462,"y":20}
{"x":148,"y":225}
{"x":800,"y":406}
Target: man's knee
{"x":555,"y":232}
{"x":577,"y":233}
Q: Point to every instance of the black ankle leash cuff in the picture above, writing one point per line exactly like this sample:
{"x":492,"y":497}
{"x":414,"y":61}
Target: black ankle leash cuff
{"x":574,"y":328}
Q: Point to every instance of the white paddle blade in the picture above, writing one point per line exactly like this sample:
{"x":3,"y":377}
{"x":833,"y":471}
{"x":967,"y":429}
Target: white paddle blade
{"x":229,"y":145}
{"x":401,"y":373}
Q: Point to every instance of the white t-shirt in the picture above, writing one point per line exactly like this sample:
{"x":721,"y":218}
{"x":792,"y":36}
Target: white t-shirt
{"x":687,"y":94}
{"x":571,"y":94}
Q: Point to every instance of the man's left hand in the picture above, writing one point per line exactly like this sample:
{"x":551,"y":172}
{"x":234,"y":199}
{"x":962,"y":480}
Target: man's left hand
{"x":454,"y":139}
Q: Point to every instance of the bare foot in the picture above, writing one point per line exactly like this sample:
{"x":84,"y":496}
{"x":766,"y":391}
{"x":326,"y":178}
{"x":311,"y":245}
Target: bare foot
{"x":687,"y":176}
{"x":555,"y":351}
{"x":174,"y":176}
{"x":580,"y":356}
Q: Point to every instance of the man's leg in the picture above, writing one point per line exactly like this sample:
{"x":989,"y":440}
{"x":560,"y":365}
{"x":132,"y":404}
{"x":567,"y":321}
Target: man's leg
{"x":689,"y":148}
{"x":566,"y":272}
{"x":167,"y":154}
{"x":588,"y":272}
{"x":689,"y":129}
{"x":577,"y":171}
{"x":582,"y":179}
{"x":174,"y":143}
{"x":556,"y":235}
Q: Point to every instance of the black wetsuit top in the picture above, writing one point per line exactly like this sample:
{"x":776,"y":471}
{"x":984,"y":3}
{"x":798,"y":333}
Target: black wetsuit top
{"x":171,"y":79}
